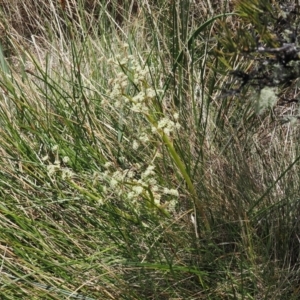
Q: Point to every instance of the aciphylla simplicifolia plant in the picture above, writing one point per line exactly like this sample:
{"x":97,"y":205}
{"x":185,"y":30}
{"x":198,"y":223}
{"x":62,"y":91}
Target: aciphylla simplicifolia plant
{"x":131,"y":91}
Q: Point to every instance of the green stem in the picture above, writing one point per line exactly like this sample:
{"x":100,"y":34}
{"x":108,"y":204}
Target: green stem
{"x":179,"y":163}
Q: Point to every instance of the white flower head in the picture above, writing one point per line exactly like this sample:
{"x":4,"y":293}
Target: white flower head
{"x":130,"y":174}
{"x":104,"y":189}
{"x":117,"y":104}
{"x":167,"y":131}
{"x":144,"y":138}
{"x":52,"y":169}
{"x":149,"y":171}
{"x":162,"y":123}
{"x":130,"y":195}
{"x":45,"y":158}
{"x":118,"y":175}
{"x":107,"y":164}
{"x":65,"y":159}
{"x":177,"y":126}
{"x":113,"y":183}
{"x":150,"y":93}
{"x":140,"y":97}
{"x":135,"y":145}
{"x":67,"y":173}
{"x":154,"y":189}
{"x":157,"y":198}
{"x":138,"y":107}
{"x":152,"y":181}
{"x":172,"y":192}
{"x":54,"y":148}
{"x":124,"y":84}
{"x":172,"y":205}
{"x":166,"y":125}
{"x":137,"y":189}
{"x":153,"y":129}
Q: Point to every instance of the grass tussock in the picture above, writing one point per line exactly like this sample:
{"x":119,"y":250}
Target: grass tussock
{"x":134,"y":165}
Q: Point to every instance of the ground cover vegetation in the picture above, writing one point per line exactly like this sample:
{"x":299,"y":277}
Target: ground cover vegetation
{"x":149,"y":149}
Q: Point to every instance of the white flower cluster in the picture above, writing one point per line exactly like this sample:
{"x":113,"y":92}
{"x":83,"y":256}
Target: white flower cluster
{"x":133,"y":74}
{"x":125,"y":185}
{"x":56,"y":167}
{"x":166,"y":125}
{"x":142,"y":102}
{"x":132,"y":90}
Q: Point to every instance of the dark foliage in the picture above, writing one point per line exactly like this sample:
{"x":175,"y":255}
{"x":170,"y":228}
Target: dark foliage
{"x":275,"y":60}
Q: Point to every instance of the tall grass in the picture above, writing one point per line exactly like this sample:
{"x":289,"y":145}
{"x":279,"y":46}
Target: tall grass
{"x":125,"y":172}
